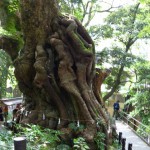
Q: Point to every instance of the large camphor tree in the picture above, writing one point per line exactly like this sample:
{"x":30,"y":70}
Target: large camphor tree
{"x":55,"y":71}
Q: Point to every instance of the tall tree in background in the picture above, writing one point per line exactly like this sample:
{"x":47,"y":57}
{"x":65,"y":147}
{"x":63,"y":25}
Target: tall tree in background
{"x":55,"y":70}
{"x":146,"y":30}
{"x":139,"y":93}
{"x":124,"y":27}
{"x":85,"y":11}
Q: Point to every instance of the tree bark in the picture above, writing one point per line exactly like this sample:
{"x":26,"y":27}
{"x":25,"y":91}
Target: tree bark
{"x":55,"y":70}
{"x":99,"y":77}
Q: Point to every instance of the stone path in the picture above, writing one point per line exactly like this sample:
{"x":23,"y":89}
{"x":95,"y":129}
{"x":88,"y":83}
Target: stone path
{"x":131,"y":137}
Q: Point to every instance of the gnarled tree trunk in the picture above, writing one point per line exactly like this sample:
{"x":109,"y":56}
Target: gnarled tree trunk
{"x":55,"y":70}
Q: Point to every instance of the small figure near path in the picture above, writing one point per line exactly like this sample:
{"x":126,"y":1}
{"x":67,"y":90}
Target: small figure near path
{"x":5,"y":112}
{"x":1,"y":116}
{"x":116,"y":109}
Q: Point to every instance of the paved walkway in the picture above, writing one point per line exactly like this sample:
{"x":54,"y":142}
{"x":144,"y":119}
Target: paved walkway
{"x":131,"y":137}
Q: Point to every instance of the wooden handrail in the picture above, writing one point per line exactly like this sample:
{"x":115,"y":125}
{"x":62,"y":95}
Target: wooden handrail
{"x":128,"y":119}
{"x":134,"y":119}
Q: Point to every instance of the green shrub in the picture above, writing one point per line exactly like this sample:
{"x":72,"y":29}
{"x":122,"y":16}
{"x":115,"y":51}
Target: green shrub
{"x":80,"y":144}
{"x":99,"y":139}
{"x":75,"y":127}
{"x":38,"y":138}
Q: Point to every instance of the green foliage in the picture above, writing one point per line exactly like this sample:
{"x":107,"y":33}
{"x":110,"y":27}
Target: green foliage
{"x":37,"y":137}
{"x":5,"y":64}
{"x":123,"y":28}
{"x":63,"y":147}
{"x":78,"y":13}
{"x":13,"y":6}
{"x":115,"y":145}
{"x":143,"y":70}
{"x":106,"y":31}
{"x":6,"y":137}
{"x":143,"y":130}
{"x":4,"y":32}
{"x":76,"y":128}
{"x":72,"y":7}
{"x":80,"y":144}
{"x":146,"y":9}
{"x":99,"y":139}
{"x":125,"y":23}
{"x":83,"y":10}
{"x":117,"y":57}
{"x":7,"y":77}
{"x":11,"y":26}
{"x":145,"y":1}
{"x":142,"y":104}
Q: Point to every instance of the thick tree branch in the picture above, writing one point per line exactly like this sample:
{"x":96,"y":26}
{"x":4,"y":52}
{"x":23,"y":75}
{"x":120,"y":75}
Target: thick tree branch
{"x":90,"y":14}
{"x":11,"y":46}
{"x":116,"y":84}
{"x":84,"y":9}
{"x":132,"y":81}
{"x":108,"y":9}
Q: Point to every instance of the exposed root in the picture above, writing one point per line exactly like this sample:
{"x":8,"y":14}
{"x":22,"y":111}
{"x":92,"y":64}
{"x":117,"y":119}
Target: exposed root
{"x":66,"y":73}
{"x":41,"y":80}
{"x":41,"y":74}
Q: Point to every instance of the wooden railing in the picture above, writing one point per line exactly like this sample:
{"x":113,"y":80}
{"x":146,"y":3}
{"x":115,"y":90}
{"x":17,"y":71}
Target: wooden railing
{"x":122,"y":142}
{"x":140,"y":129}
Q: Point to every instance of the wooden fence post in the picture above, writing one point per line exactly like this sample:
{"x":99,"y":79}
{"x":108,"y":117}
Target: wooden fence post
{"x":129,"y":146}
{"x":123,"y":143}
{"x":135,"y":128}
{"x":120,"y":137}
{"x":20,"y":143}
